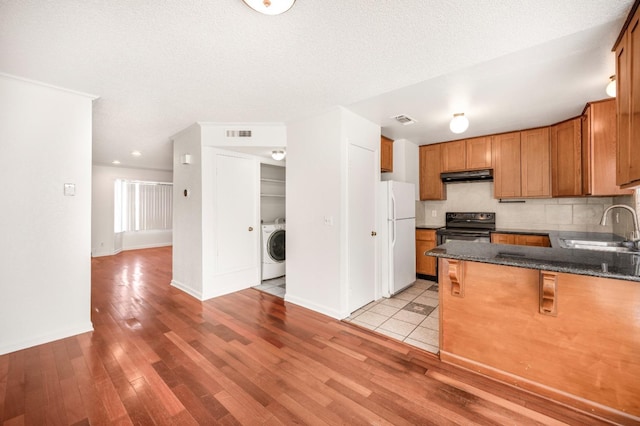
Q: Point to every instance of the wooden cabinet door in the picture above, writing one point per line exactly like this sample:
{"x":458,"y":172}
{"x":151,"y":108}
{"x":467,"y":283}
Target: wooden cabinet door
{"x":502,"y":238}
{"x":386,"y":154}
{"x":599,"y":150}
{"x":532,"y":240}
{"x":453,"y":156}
{"x":566,"y":159}
{"x":431,"y":186}
{"x":478,"y":153}
{"x":633,"y":44}
{"x":623,"y":107}
{"x":425,"y":240}
{"x":535,"y":164}
{"x":506,"y":165}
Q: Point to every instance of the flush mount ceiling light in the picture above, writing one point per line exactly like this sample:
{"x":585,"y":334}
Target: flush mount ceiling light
{"x":136,"y":153}
{"x":459,"y":123}
{"x":278,"y":155}
{"x":611,"y":87}
{"x":270,"y":7}
{"x":116,"y":162}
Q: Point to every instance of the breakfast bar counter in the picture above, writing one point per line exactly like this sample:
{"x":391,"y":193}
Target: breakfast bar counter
{"x":562,"y":323}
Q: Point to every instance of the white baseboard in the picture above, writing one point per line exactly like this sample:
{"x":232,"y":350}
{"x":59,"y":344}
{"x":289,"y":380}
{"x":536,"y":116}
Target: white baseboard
{"x":45,"y":338}
{"x":146,"y":246}
{"x":313,"y":306}
{"x":186,"y":289}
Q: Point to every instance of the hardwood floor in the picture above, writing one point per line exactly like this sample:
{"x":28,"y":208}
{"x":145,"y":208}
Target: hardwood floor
{"x":159,"y":356}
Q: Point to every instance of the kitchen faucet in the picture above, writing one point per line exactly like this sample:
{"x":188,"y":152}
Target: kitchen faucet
{"x":635,"y":236}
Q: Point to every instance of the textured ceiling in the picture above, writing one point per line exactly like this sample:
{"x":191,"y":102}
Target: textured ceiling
{"x":158,"y":67}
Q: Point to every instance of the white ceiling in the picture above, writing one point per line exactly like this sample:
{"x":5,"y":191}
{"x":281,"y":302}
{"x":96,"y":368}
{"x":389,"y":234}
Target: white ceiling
{"x":158,"y":67}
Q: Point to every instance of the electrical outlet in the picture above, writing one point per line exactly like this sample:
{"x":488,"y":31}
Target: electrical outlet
{"x":328,"y":220}
{"x":434,"y":213}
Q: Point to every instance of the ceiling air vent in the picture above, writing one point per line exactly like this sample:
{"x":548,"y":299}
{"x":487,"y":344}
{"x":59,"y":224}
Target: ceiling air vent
{"x":238,"y":133}
{"x":405,"y":120}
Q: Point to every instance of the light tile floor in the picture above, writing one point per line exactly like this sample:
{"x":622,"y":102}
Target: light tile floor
{"x":276,"y":286}
{"x":410,"y":316}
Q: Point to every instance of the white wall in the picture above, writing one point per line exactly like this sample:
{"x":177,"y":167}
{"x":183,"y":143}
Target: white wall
{"x":103,"y":239}
{"x":317,"y":269}
{"x":557,"y":214}
{"x":45,"y":142}
{"x":406,"y":159}
{"x":313,"y":193}
{"x":187,"y":213}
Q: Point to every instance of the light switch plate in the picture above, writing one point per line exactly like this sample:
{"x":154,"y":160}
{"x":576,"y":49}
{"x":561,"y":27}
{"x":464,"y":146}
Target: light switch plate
{"x":69,"y":189}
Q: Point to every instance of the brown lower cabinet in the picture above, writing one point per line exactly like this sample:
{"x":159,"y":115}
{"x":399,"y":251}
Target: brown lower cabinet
{"x":572,"y":338}
{"x":425,"y":240}
{"x":521,"y":239}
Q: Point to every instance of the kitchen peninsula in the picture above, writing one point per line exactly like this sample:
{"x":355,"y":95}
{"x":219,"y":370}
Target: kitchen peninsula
{"x":563,"y":323}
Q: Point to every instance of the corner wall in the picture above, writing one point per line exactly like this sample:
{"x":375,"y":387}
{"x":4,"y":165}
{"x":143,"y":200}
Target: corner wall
{"x":45,"y":142}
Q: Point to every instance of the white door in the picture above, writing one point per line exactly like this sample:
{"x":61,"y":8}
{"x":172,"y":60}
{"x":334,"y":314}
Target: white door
{"x":361,"y":223}
{"x":237,"y":235}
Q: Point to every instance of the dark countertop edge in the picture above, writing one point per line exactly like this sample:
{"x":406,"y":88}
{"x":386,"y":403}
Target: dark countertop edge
{"x":429,"y":227}
{"x":531,"y":264}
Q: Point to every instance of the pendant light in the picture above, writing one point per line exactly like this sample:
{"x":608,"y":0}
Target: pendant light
{"x":611,"y":87}
{"x":270,"y":7}
{"x":278,"y":155}
{"x":459,"y":123}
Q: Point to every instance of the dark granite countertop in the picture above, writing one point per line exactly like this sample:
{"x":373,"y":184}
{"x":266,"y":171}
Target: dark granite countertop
{"x":622,"y":266}
{"x":432,"y":227}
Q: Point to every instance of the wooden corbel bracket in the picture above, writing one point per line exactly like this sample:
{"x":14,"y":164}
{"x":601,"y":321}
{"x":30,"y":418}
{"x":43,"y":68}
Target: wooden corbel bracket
{"x":456,"y":275}
{"x":548,"y":293}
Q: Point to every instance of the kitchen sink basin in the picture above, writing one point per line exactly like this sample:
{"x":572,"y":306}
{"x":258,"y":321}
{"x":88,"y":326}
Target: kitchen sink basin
{"x":615,"y":246}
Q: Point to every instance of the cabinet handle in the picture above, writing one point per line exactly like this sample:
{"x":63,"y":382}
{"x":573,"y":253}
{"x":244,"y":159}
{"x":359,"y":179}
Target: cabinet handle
{"x":250,"y":228}
{"x":373,"y":233}
{"x":456,"y":271}
{"x":548,"y":293}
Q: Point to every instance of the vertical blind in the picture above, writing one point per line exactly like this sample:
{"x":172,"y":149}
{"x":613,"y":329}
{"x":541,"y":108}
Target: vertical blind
{"x":141,"y":206}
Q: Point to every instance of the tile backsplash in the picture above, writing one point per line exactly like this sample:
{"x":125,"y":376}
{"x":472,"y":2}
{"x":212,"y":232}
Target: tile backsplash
{"x":553,"y":214}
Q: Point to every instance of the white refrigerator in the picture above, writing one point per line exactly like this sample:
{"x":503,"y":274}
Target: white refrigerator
{"x":397,"y":232}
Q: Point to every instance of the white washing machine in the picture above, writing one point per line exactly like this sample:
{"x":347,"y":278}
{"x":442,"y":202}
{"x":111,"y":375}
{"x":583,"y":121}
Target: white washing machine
{"x":273,"y":250}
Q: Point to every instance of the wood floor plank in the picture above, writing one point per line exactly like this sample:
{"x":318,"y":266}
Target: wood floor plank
{"x":159,"y":356}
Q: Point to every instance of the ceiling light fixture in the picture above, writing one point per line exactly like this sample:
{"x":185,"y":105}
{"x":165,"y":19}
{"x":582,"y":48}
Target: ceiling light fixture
{"x":278,"y":155}
{"x":116,"y":162}
{"x":136,"y":153}
{"x":459,"y":123}
{"x":270,"y":7}
{"x":611,"y":87}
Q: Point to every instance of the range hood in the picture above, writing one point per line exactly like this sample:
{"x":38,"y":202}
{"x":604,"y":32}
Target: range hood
{"x":468,"y":176}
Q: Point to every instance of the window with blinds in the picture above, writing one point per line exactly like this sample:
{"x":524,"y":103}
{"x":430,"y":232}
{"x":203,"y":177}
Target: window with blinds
{"x":141,"y":206}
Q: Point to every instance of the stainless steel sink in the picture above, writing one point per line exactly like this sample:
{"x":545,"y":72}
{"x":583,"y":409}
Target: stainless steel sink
{"x":615,"y":246}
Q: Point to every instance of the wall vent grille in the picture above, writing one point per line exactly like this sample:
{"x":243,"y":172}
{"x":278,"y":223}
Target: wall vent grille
{"x":404,"y":119}
{"x":238,"y":133}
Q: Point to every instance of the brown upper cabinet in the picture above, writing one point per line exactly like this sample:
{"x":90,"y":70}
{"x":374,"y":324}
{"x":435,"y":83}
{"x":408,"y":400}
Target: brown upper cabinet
{"x":599,"y":150}
{"x":506,"y":165}
{"x":431,"y":186}
{"x":566,"y":158}
{"x":386,"y":154}
{"x":534,"y":160}
{"x":627,"y":50}
{"x":521,"y":164}
{"x":467,"y":154}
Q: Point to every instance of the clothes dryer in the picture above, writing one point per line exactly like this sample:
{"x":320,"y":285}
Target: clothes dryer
{"x":273,"y":250}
